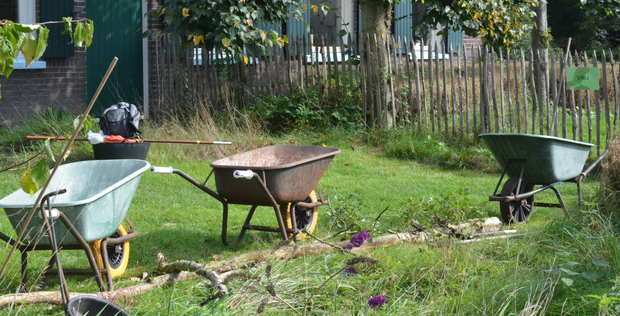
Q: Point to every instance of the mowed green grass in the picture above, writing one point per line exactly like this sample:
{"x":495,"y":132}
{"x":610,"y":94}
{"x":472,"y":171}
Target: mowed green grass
{"x":177,"y":219}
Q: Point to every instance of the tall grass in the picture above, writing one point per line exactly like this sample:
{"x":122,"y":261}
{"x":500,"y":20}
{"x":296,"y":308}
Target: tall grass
{"x":244,"y":132}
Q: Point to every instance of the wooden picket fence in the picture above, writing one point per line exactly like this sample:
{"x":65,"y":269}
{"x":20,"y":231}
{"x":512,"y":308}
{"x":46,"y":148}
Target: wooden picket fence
{"x":457,"y":91}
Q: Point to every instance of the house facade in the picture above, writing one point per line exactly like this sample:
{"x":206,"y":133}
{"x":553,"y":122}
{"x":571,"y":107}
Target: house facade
{"x":67,"y":77}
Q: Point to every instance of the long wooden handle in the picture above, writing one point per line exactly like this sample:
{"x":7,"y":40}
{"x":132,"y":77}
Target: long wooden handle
{"x":169,"y":141}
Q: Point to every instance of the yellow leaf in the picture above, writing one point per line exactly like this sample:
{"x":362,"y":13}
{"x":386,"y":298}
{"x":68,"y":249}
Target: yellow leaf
{"x":197,"y":39}
{"x":185,"y":12}
{"x":249,"y":22}
{"x":28,"y":184}
{"x":226,"y":42}
{"x":314,"y":9}
{"x":245,"y":60}
{"x":163,"y":10}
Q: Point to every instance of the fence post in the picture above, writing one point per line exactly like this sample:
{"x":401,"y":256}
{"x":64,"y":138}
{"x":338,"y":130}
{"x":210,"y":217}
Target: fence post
{"x":597,"y":105}
{"x":617,"y":110}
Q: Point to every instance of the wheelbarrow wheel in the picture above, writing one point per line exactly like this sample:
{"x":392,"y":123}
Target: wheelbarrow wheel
{"x":118,"y":255}
{"x":518,"y":211}
{"x":305,"y":218}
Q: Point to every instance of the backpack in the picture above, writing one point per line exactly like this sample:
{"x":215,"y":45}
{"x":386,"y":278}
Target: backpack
{"x":121,"y":119}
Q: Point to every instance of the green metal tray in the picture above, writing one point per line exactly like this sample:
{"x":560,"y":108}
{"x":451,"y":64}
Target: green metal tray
{"x":548,"y":159}
{"x":98,"y":196}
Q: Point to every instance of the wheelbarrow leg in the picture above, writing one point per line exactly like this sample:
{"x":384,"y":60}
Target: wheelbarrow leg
{"x":24,"y":283}
{"x":49,"y":224}
{"x":562,"y":204}
{"x":579,"y":191}
{"x":46,"y":277}
{"x":89,"y":254}
{"x":243,"y":228}
{"x":293,"y":221}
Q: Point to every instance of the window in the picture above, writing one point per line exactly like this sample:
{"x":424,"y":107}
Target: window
{"x":24,"y":12}
{"x":8,"y":10}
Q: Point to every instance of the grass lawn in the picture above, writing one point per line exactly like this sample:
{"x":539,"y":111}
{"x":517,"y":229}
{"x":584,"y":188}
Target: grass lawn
{"x":500,"y":277}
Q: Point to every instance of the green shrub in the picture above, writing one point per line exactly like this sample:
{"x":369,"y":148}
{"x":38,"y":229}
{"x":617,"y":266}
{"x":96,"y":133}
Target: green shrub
{"x":308,"y":109}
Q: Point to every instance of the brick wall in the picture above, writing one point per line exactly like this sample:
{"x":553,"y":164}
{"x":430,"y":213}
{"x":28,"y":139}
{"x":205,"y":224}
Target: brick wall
{"x":62,"y":85}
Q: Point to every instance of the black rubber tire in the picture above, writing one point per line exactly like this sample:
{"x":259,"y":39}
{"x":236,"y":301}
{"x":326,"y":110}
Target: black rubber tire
{"x":304,"y":217}
{"x":518,"y":211}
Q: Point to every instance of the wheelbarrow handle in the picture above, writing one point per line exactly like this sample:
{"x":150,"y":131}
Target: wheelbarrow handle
{"x":164,"y":170}
{"x":247,"y":174}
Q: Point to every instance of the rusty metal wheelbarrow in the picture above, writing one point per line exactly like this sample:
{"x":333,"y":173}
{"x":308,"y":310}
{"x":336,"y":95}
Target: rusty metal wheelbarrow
{"x":531,"y":160}
{"x":282,"y":177}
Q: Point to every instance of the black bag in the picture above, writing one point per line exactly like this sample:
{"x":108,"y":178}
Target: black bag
{"x":121,"y":119}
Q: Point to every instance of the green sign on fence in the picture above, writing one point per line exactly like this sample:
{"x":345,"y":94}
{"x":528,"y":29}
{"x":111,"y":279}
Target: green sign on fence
{"x":582,"y":78}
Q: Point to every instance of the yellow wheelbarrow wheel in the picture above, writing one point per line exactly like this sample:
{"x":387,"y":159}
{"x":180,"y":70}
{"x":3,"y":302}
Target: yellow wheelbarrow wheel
{"x":118,"y":255}
{"x":305,"y":218}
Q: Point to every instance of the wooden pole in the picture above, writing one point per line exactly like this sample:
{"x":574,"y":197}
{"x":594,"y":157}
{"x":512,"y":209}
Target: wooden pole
{"x":613,"y":74}
{"x":518,"y":117}
{"x":597,"y":108}
{"x":453,"y":93}
{"x":562,"y":76}
{"x":465,"y":62}
{"x":166,"y":141}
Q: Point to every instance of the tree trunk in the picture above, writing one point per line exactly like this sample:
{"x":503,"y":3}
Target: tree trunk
{"x":540,"y":33}
{"x":376,"y":20}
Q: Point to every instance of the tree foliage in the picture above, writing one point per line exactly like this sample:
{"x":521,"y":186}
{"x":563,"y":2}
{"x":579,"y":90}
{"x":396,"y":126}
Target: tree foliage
{"x":18,"y":38}
{"x":500,"y":23}
{"x":608,"y":7}
{"x":227,"y":25}
{"x":230,"y":25}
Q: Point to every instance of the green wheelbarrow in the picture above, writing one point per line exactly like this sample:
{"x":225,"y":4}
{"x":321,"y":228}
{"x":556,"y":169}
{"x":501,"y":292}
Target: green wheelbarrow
{"x":83,"y":208}
{"x":531,"y":160}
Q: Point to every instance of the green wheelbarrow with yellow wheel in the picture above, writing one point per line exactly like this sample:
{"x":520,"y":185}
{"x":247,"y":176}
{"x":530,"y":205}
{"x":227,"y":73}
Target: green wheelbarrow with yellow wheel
{"x":83,"y":208}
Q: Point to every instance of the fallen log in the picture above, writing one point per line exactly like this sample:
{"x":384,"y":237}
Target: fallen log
{"x":54,"y":297}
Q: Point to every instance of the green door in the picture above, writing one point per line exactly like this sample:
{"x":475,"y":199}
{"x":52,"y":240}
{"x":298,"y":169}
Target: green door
{"x":118,"y":33}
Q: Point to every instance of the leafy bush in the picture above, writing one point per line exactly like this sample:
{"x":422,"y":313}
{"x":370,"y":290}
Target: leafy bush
{"x":308,"y":109}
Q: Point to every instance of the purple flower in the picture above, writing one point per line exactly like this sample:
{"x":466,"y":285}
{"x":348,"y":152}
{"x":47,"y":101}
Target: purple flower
{"x":376,"y":301}
{"x":350,"y":271}
{"x":349,"y":246}
{"x":358,"y":240}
